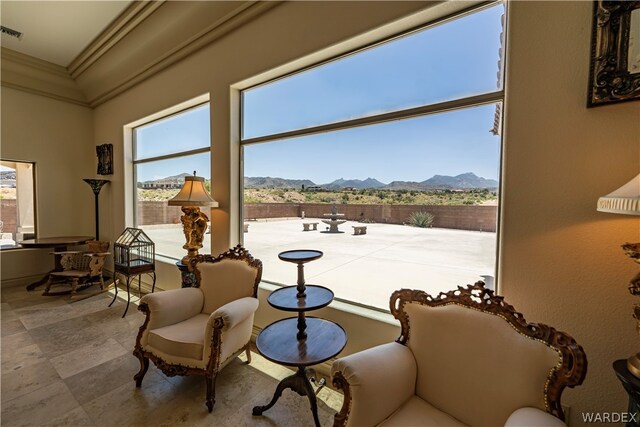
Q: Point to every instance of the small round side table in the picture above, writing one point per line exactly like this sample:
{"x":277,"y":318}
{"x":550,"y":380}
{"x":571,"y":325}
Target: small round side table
{"x":300,"y":341}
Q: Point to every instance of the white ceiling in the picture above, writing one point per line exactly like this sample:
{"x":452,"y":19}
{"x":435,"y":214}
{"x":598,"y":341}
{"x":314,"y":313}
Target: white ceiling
{"x":56,"y":31}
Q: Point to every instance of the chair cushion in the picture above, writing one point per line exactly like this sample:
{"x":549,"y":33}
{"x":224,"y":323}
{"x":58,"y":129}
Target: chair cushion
{"x":417,"y":412}
{"x":184,"y":339}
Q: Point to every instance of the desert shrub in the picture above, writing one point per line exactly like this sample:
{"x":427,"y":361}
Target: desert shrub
{"x":421,"y":219}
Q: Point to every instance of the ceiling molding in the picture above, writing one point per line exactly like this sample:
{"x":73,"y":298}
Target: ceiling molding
{"x":238,"y":17}
{"x":71,"y":84}
{"x":44,"y":93}
{"x":30,"y":61}
{"x":33,"y":75}
{"x":116,"y":31}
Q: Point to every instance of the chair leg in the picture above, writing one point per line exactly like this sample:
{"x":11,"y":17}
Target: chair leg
{"x":144,"y":366}
{"x":74,"y":286}
{"x":211,"y":391}
{"x":247,"y":350}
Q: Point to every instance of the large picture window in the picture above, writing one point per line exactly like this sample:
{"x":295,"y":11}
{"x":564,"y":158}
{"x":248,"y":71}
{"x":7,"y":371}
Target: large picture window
{"x":388,"y":156}
{"x":165,"y":151}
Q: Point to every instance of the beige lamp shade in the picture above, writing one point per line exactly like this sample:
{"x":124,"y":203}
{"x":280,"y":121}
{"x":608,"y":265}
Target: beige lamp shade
{"x":625,"y":200}
{"x":193,"y":193}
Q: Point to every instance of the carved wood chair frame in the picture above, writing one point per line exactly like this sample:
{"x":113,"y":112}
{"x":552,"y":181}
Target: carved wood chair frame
{"x":569,"y":373}
{"x":213,"y":365}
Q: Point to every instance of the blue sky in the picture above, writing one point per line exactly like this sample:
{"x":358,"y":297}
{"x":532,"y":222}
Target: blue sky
{"x":449,"y":61}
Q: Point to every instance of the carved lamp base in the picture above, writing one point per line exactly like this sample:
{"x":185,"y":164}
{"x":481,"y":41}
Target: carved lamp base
{"x":633,"y":365}
{"x":194,"y":223}
{"x":633,"y":251}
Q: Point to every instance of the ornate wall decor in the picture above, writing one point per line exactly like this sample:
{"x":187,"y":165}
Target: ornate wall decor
{"x":105,"y":159}
{"x":614,"y":73}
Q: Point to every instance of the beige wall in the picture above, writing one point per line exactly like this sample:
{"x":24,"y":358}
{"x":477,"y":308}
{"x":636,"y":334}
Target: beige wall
{"x":561,"y":259}
{"x":58,"y":136}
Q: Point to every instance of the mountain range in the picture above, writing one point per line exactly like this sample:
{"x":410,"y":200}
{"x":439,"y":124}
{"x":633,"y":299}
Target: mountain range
{"x":467,"y":180}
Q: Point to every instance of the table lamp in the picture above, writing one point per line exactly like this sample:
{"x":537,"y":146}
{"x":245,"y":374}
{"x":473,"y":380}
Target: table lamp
{"x":626,"y":200}
{"x":191,"y":197}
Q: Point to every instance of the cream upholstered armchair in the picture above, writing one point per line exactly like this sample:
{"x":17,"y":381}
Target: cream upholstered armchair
{"x":464,"y":358}
{"x":197,"y":331}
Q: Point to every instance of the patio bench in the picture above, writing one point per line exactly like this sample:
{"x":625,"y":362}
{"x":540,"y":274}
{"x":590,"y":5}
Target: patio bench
{"x":359,"y":229}
{"x":306,"y":226}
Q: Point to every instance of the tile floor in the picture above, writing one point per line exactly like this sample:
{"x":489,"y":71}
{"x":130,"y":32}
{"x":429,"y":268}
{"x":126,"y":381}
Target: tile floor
{"x":70,"y":364}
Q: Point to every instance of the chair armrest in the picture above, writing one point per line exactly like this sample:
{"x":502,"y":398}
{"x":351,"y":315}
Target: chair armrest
{"x":375,"y":382}
{"x":235,"y":312}
{"x":533,"y":417}
{"x":173,"y":306}
{"x":65,"y":253}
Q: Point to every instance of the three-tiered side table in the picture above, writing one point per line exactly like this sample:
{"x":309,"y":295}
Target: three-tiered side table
{"x":300,"y":341}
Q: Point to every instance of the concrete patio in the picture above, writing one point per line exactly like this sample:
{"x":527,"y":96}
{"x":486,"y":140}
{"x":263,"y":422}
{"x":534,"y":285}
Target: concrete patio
{"x":363,"y":268}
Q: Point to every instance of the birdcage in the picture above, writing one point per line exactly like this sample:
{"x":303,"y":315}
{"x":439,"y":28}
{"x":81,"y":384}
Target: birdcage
{"x":134,"y":253}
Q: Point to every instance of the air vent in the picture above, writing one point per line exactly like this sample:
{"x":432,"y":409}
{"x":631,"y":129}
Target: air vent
{"x":10,"y":32}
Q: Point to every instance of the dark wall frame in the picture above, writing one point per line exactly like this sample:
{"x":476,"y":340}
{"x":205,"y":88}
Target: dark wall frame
{"x":609,"y":78}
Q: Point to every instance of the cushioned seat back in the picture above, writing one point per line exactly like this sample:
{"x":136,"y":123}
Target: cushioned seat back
{"x":476,"y":366}
{"x":226,"y":280}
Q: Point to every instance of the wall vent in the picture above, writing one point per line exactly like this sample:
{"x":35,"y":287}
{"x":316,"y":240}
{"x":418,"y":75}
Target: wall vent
{"x":10,"y":32}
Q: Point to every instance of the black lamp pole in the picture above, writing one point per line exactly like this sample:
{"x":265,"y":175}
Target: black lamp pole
{"x":96,"y":186}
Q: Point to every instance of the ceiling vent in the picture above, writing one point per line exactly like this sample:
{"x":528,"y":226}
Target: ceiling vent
{"x":10,"y":32}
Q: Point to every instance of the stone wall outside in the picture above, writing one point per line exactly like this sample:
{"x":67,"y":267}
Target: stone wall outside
{"x":480,"y":218}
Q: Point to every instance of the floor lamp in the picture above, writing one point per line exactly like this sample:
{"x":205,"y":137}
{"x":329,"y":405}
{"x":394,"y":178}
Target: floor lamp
{"x":96,"y":186}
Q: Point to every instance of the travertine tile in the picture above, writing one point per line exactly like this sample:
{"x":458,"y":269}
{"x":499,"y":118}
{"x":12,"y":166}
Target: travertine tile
{"x":7,"y":313}
{"x":102,"y":379}
{"x":39,"y":407}
{"x":12,"y":327}
{"x":13,"y":342}
{"x":63,"y":337}
{"x":44,"y":315}
{"x":76,"y":418}
{"x":87,"y":356}
{"x":24,"y":381}
{"x":21,"y":358}
{"x":92,"y":352}
{"x":135,"y":406}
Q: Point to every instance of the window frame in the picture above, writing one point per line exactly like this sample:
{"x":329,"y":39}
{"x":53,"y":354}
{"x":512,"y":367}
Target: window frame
{"x":135,"y":162}
{"x":497,"y":97}
{"x":35,"y":198}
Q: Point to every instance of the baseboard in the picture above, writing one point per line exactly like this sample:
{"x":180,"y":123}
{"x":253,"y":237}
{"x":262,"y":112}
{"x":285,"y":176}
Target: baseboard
{"x":323,"y":368}
{"x":21,"y":281}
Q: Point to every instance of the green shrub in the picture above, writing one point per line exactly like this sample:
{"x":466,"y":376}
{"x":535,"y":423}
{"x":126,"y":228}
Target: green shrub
{"x":421,"y":219}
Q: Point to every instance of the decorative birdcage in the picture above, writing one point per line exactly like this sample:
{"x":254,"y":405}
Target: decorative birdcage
{"x":134,"y":253}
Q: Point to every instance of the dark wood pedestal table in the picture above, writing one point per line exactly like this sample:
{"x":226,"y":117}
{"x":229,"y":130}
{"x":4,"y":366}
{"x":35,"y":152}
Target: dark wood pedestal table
{"x":59,"y":244}
{"x":300,"y":341}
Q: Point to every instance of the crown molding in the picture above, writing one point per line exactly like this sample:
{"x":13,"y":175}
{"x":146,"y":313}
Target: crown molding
{"x":128,"y":20}
{"x":44,"y":93}
{"x":32,"y":62}
{"x":246,"y":12}
{"x":78,"y":84}
{"x":33,"y":75}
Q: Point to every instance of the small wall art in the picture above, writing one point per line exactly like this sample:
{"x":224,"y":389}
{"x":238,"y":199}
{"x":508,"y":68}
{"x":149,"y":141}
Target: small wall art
{"x":105,"y":159}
